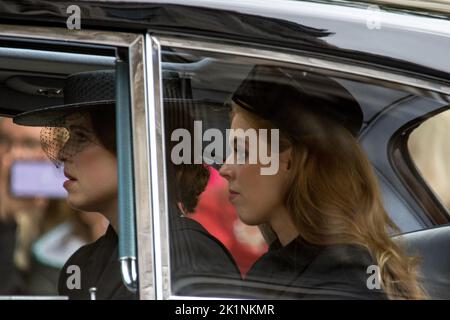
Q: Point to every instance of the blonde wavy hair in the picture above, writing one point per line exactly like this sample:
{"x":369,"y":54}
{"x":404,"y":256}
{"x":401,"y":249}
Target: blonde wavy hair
{"x":334,"y":198}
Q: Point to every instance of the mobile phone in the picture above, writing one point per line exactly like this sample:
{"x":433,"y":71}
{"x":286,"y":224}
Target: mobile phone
{"x":37,"y":179}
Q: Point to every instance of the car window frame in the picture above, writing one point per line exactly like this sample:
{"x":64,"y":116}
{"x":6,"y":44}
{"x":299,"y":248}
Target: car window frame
{"x":410,"y":174}
{"x":129,"y":47}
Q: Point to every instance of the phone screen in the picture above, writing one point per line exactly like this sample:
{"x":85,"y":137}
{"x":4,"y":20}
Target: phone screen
{"x":37,"y":179}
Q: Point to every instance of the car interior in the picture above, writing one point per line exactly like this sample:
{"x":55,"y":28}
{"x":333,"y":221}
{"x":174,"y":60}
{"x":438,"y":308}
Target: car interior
{"x":385,"y":109}
{"x":31,"y":79}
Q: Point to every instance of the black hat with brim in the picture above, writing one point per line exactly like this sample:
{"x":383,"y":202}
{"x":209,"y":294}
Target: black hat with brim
{"x":82,"y":92}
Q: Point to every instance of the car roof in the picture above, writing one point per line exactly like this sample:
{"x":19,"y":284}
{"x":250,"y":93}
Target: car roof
{"x":403,"y":40}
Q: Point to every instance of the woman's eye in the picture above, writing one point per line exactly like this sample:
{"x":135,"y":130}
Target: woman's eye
{"x":80,"y":136}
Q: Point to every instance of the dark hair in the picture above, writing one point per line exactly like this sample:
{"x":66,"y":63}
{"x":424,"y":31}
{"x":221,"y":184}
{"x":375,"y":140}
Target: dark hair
{"x":185,"y":181}
{"x":104,"y":126}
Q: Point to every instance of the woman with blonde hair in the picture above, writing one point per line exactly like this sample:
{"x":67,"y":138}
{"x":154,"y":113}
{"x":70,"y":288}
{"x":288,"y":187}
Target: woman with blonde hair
{"x":323,"y":204}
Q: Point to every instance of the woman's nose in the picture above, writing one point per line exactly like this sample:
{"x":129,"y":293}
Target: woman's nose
{"x":226,"y":172}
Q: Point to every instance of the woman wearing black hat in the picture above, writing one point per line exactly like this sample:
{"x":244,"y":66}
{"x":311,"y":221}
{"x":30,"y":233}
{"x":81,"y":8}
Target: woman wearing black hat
{"x":81,"y":134}
{"x":323,"y":203}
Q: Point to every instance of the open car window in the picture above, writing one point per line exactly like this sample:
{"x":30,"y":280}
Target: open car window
{"x":40,"y":232}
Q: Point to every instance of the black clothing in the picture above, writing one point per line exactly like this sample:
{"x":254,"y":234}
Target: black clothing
{"x":200,"y":264}
{"x":11,"y":280}
{"x":99,"y":267}
{"x":304,"y":271}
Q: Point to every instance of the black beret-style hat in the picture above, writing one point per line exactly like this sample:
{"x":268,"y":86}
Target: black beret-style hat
{"x":82,"y":91}
{"x":283,"y":96}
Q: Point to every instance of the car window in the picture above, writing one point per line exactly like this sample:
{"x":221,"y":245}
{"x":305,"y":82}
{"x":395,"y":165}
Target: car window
{"x":49,"y":245}
{"x":206,"y":216}
{"x":430,"y":151}
{"x":39,"y":231}
{"x":197,"y":88}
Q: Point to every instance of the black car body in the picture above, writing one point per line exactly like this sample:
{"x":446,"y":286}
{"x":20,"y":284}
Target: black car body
{"x":403,"y":50}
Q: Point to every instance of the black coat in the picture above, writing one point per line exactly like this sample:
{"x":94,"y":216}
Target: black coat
{"x":303,"y":271}
{"x":11,"y":281}
{"x":100,"y":268}
{"x":200,"y":265}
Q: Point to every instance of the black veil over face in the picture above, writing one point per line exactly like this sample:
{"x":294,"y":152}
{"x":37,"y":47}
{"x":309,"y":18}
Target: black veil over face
{"x":65,"y":137}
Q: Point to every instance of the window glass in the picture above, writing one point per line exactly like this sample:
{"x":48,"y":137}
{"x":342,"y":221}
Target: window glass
{"x":287,"y":213}
{"x":430,"y":150}
{"x":58,"y":171}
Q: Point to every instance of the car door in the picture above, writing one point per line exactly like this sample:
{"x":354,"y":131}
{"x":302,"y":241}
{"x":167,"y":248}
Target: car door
{"x":198,"y":76}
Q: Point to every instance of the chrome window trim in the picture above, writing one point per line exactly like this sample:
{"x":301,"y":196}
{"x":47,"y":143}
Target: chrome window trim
{"x":157,"y":169}
{"x":141,"y":156}
{"x":135,"y":45}
{"x":107,"y":38}
{"x":376,"y":73}
{"x":439,"y":91}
